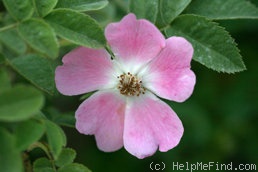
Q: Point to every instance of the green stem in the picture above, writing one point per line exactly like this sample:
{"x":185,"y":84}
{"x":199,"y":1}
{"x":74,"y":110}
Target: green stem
{"x":45,"y":148}
{"x":41,"y":146}
{"x":63,"y":43}
{"x":110,"y":52}
{"x":35,"y":7}
{"x":164,"y":28}
{"x":26,"y":162}
{"x":121,"y":5}
{"x":8,"y":27}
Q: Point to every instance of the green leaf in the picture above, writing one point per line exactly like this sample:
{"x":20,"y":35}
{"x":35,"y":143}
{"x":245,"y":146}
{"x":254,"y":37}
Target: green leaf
{"x":169,"y":10}
{"x":12,"y":40}
{"x":39,"y":36}
{"x":28,"y":132}
{"x":5,"y":82}
{"x":67,"y":120}
{"x":221,"y":9}
{"x":20,"y":103}
{"x":74,"y":167}
{"x":37,"y":70}
{"x":42,"y":165}
{"x":56,"y":138}
{"x":43,"y":7}
{"x":82,"y":5}
{"x":77,"y":28}
{"x":144,"y":9}
{"x":213,"y":46}
{"x":19,"y":9}
{"x":60,"y":118}
{"x":66,"y":157}
{"x":2,"y":58}
{"x":42,"y":162}
{"x":10,"y":158}
{"x":87,"y":95}
{"x":107,"y":14}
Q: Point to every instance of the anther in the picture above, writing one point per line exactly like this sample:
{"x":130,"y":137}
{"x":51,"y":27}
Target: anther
{"x":130,"y":85}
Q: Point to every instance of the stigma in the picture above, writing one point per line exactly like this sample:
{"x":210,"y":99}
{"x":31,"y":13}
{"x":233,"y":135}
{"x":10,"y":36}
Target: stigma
{"x":130,"y":85}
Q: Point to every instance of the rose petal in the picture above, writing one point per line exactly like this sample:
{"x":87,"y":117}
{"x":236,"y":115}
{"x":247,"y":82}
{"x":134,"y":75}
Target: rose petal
{"x":103,"y":115}
{"x":83,"y":70}
{"x":169,"y":75}
{"x":134,"y":41}
{"x":149,"y":124}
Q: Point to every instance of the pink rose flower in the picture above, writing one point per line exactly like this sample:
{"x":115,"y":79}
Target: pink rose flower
{"x":125,"y":111}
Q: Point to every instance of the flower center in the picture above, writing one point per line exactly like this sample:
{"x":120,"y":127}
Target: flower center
{"x":130,"y":85}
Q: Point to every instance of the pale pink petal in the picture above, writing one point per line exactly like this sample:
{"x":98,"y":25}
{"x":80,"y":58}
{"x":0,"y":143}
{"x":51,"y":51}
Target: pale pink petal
{"x":102,"y":115}
{"x":169,"y":74}
{"x":133,"y":40}
{"x":149,"y":124}
{"x":83,"y":70}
